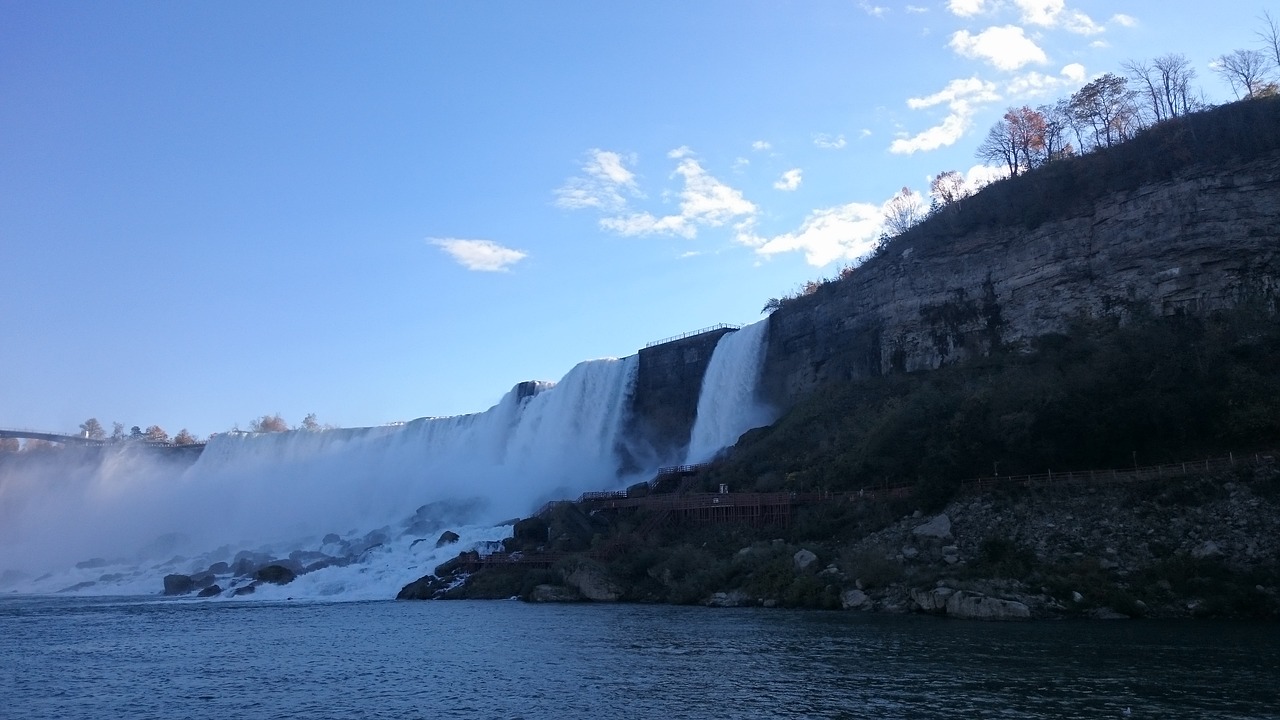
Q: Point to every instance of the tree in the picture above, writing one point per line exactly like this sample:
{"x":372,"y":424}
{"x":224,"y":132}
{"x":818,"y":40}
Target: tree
{"x":770,"y":305}
{"x":998,"y":148}
{"x":1057,"y":120}
{"x":10,"y":445}
{"x":156,"y":434}
{"x":948,"y":187}
{"x":1270,"y":37}
{"x":1026,"y":127}
{"x":269,"y":423}
{"x":310,"y":423}
{"x":184,"y":438}
{"x":1105,"y":111}
{"x":1166,"y":83}
{"x":92,"y":429}
{"x":135,"y":433}
{"x":903,"y":211}
{"x":1243,"y":70}
{"x":117,"y":431}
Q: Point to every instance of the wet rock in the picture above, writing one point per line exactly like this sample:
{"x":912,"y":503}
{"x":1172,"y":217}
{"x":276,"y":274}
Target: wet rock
{"x":243,"y":590}
{"x":1207,"y":550}
{"x":592,"y":584}
{"x":932,"y":601}
{"x":331,"y":539}
{"x":733,"y":598}
{"x":973,"y":606}
{"x":91,"y":564}
{"x":211,"y":591}
{"x":448,"y":537}
{"x":426,"y":587}
{"x":219,"y":568}
{"x":553,"y":594}
{"x":854,"y":600}
{"x":176,"y":584}
{"x":276,"y":574}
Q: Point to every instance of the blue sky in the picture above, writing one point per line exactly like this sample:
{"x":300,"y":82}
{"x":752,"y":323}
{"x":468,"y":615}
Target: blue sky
{"x":375,"y":212}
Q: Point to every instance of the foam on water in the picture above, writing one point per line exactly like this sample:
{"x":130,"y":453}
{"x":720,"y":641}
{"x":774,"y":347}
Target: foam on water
{"x":729,"y":404}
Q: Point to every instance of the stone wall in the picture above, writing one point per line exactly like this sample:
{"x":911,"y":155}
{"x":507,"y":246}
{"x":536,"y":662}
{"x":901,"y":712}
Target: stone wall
{"x":1205,"y":240}
{"x":668,"y":382}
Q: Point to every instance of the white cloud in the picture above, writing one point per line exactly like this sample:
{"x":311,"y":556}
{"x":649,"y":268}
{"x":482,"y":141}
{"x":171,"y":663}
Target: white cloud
{"x":828,"y":142}
{"x":604,"y":180}
{"x":960,"y":96}
{"x":872,"y":10}
{"x":1124,"y":20}
{"x":966,"y":8}
{"x":760,"y":145}
{"x":864,"y":133}
{"x":704,"y":201}
{"x":740,"y":163}
{"x":480,"y":255}
{"x":1099,"y":44}
{"x":916,"y":9}
{"x":1034,"y":83}
{"x":790,"y":180}
{"x":842,"y":232}
{"x":1054,"y":13}
{"x":1006,"y":47}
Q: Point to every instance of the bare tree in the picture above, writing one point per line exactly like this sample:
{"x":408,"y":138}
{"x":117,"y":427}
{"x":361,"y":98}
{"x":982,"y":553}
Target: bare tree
{"x":1244,"y":70}
{"x":999,"y":148}
{"x":948,"y":187}
{"x":1270,"y":37}
{"x":1105,"y":110}
{"x":310,"y":423}
{"x":903,"y":211}
{"x":269,"y":423}
{"x":117,"y":431}
{"x":156,"y":434}
{"x":1165,"y":83}
{"x":1056,"y":123}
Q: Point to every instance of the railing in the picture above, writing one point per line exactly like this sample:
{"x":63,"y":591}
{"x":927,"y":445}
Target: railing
{"x":691,"y":333}
{"x":1146,"y":472}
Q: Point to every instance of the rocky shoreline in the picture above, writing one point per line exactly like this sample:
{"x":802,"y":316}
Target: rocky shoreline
{"x":1191,"y":547}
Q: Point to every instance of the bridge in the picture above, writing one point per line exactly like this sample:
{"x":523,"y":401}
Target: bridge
{"x":63,"y":439}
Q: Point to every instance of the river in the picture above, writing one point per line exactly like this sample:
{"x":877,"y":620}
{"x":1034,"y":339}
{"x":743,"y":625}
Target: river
{"x":152,"y":658}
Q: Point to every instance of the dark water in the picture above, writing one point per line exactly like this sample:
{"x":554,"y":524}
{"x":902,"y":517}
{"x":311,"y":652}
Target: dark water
{"x":98,"y":658}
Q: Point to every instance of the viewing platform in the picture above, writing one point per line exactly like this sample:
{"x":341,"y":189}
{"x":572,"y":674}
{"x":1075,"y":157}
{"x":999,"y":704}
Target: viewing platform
{"x":726,"y":327}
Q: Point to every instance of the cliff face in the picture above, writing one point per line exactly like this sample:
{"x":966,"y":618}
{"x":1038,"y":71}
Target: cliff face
{"x":1207,"y":239}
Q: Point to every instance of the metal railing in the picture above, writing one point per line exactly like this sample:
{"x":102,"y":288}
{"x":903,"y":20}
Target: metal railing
{"x":691,"y":333}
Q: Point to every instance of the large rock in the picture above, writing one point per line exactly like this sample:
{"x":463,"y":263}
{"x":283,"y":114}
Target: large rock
{"x":854,"y":600}
{"x":448,"y":537}
{"x":938,"y":527}
{"x":424,"y":588}
{"x":933,"y":600}
{"x":553,"y":593}
{"x":803,"y":559}
{"x":275,"y":574}
{"x":592,"y":583}
{"x":176,"y":584}
{"x":975,"y":606}
{"x":733,"y":598}
{"x":211,"y":591}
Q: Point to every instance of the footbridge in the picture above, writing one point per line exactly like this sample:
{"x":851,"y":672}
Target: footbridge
{"x":82,"y":440}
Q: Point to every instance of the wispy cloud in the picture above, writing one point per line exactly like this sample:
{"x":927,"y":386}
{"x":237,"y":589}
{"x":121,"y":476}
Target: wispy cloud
{"x":916,"y":9}
{"x":480,"y":255}
{"x":966,"y":8}
{"x":705,"y":201}
{"x":828,"y":142}
{"x":1033,"y":83}
{"x":961,"y":96}
{"x":872,"y":10}
{"x":605,"y":183}
{"x":1124,"y":20}
{"x":843,"y":232}
{"x":761,"y":145}
{"x":790,"y":180}
{"x":1006,"y":47}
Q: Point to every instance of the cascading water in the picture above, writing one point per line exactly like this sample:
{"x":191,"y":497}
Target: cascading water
{"x":130,"y":517}
{"x":728,"y":404}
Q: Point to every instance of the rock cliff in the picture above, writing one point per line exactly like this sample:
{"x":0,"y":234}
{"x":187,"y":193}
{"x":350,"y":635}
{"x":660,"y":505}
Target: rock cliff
{"x":1207,"y":238}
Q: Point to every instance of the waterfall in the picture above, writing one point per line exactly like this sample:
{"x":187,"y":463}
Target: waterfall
{"x":728,"y":404}
{"x":130,"y":515}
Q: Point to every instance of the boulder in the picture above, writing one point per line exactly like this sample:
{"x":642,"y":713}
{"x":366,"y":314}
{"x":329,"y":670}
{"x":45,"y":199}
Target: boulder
{"x":803,"y":559}
{"x":424,"y":588}
{"x":938,"y":527}
{"x":975,"y":606}
{"x":448,"y":537}
{"x":243,"y":590}
{"x":275,"y":574}
{"x":210,"y":591}
{"x":1207,"y":550}
{"x":176,"y":584}
{"x":553,"y":593}
{"x":592,"y":583}
{"x":733,"y":598}
{"x":933,"y":600}
{"x":219,"y":568}
{"x":854,"y":600}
